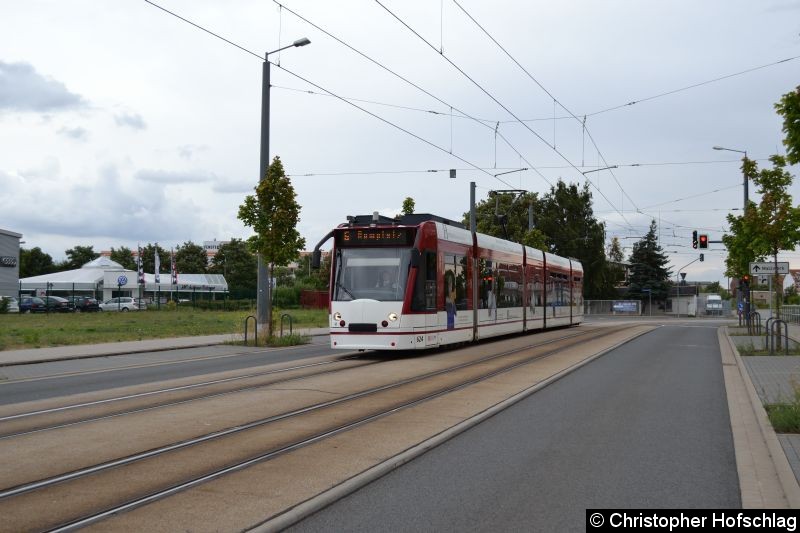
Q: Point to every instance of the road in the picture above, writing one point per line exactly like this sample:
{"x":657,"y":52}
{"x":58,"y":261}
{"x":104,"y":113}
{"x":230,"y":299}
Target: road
{"x":645,"y":426}
{"x":52,"y":380}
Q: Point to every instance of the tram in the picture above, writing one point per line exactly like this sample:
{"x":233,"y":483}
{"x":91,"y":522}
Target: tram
{"x":422,"y":281}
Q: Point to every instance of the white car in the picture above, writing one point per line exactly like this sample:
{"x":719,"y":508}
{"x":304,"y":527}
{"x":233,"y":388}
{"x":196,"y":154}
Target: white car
{"x":13,"y":304}
{"x":123,"y":303}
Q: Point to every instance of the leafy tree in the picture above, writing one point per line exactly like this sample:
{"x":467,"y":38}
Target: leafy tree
{"x":615,"y":259}
{"x":273,"y":213}
{"x":149,"y":258}
{"x":191,"y":258}
{"x":34,"y":262}
{"x":79,"y":256}
{"x":565,"y":225}
{"x":789,"y":108}
{"x":408,"y":206}
{"x":124,"y":256}
{"x":775,"y":222}
{"x":236,"y":262}
{"x":649,"y":268}
{"x":318,"y":278}
{"x":566,"y":218}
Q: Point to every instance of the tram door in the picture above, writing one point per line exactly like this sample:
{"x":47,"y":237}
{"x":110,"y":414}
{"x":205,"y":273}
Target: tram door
{"x":432,"y":317}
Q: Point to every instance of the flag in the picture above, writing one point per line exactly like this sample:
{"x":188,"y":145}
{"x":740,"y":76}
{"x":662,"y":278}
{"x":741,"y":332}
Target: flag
{"x":173,"y":268}
{"x":140,"y":266}
{"x":157,"y":265}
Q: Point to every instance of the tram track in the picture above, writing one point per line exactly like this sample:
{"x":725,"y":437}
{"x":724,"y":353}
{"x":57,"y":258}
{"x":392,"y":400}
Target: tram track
{"x":129,"y":482}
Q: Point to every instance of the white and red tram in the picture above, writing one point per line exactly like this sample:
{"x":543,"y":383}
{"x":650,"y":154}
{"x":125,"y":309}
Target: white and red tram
{"x":423,"y":282}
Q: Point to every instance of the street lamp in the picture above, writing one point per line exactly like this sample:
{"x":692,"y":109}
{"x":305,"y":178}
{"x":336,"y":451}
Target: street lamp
{"x":263,"y":285}
{"x":744,"y":211}
{"x":743,"y":172}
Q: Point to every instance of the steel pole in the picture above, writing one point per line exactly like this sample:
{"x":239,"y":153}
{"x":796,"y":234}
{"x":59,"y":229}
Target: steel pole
{"x":263,"y":297}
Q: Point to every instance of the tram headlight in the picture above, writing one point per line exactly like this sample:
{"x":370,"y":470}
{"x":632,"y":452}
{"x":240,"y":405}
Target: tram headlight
{"x":392,"y":316}
{"x":337,"y":316}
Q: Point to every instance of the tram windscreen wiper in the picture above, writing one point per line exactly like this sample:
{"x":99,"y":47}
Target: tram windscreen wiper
{"x":345,"y":289}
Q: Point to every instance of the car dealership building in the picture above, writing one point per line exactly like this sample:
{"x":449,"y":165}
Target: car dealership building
{"x":9,"y":262}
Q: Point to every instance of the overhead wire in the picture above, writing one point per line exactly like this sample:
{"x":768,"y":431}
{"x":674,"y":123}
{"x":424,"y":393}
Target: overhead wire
{"x":555,"y":100}
{"x":422,"y":139}
{"x":416,"y":86}
{"x":487,"y":93}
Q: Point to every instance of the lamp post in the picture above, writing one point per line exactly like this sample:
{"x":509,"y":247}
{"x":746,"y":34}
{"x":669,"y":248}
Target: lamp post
{"x":263,"y":285}
{"x":743,"y":172}
{"x":744,"y":210}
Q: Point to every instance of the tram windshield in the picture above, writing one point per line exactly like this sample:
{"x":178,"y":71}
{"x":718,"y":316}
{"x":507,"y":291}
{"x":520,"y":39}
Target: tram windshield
{"x":370,"y":273}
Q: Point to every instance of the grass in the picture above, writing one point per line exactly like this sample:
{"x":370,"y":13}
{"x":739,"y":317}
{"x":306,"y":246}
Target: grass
{"x":785,"y":417}
{"x":62,"y":329}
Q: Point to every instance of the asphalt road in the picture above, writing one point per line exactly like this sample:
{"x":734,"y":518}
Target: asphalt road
{"x":645,"y":426}
{"x":101,"y":373}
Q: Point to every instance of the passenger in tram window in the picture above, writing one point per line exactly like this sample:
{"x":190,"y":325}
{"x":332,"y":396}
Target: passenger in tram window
{"x":385,"y":281}
{"x":491,"y":300}
{"x":450,"y":298}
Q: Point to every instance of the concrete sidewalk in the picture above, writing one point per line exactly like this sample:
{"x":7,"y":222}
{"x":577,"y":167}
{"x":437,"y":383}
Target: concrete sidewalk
{"x":83,"y":351}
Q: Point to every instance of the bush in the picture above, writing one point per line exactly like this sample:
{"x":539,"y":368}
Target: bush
{"x":3,"y":305}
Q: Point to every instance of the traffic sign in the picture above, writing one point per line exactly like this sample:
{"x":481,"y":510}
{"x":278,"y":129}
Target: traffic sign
{"x":769,"y":268}
{"x":122,"y":280}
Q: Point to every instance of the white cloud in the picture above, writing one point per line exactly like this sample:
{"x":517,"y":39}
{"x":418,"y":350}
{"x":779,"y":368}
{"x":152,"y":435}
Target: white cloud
{"x":130,"y":120}
{"x":77,"y":134}
{"x":24,"y":89}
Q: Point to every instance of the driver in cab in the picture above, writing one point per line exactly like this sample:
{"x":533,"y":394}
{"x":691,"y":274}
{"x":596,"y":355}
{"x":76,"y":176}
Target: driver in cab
{"x":385,"y":281}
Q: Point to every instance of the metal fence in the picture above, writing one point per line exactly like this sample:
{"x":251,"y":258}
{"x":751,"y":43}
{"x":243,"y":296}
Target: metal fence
{"x":791,"y":313}
{"x":612,"y":307}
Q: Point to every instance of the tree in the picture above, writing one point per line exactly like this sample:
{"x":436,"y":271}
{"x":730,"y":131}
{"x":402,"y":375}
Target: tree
{"x":775,"y":222}
{"x":273,"y":213}
{"x":615,"y":259}
{"x":124,"y":256}
{"x":191,"y":258}
{"x":566,"y":218}
{"x":148,"y":259}
{"x":789,"y":109}
{"x":79,"y":256}
{"x":565,"y":225}
{"x":34,"y":262}
{"x":236,"y":262}
{"x":408,"y":206}
{"x":649,"y":268}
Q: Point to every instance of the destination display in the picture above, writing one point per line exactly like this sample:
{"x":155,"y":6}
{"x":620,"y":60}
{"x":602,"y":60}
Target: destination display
{"x":375,"y":237}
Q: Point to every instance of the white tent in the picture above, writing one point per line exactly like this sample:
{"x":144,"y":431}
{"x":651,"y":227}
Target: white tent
{"x":102,"y":276}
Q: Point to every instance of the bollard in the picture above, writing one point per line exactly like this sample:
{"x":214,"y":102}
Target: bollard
{"x":286,"y":315}
{"x":255,"y":329}
{"x":776,"y":325}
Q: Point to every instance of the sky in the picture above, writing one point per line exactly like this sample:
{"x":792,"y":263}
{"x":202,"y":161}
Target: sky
{"x":122,"y":124}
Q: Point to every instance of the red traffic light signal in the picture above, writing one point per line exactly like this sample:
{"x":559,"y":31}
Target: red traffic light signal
{"x":746,"y":278}
{"x":703,"y":241}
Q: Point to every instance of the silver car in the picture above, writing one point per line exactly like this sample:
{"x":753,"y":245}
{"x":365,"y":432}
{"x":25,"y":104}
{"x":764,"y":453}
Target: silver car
{"x":123,"y":303}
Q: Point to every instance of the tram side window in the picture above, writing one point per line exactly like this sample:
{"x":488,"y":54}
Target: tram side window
{"x":455,"y":281}
{"x":425,"y":288}
{"x":487,"y":291}
{"x":509,"y":285}
{"x":558,"y":291}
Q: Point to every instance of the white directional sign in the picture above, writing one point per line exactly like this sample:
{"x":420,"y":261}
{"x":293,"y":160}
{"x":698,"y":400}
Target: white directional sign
{"x":769,"y":268}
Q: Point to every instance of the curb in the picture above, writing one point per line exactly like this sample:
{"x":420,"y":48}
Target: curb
{"x":324,"y":499}
{"x":125,"y":352}
{"x":786,"y":477}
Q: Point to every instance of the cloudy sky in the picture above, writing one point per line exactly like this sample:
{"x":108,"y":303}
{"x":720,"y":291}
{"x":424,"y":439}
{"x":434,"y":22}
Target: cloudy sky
{"x":120,"y":123}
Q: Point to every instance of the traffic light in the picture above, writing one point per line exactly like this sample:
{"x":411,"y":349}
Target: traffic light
{"x":694,"y":239}
{"x":703,"y":241}
{"x":702,"y":258}
{"x":746,"y":278}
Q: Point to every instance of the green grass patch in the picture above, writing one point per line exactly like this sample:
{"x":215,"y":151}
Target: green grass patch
{"x":785,"y":416}
{"x":62,"y":329}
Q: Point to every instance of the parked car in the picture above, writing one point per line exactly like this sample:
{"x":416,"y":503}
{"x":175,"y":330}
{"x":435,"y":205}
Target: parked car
{"x":84,"y":304}
{"x":123,"y":303}
{"x":32,"y":304}
{"x":58,"y":304}
{"x":12,"y":304}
